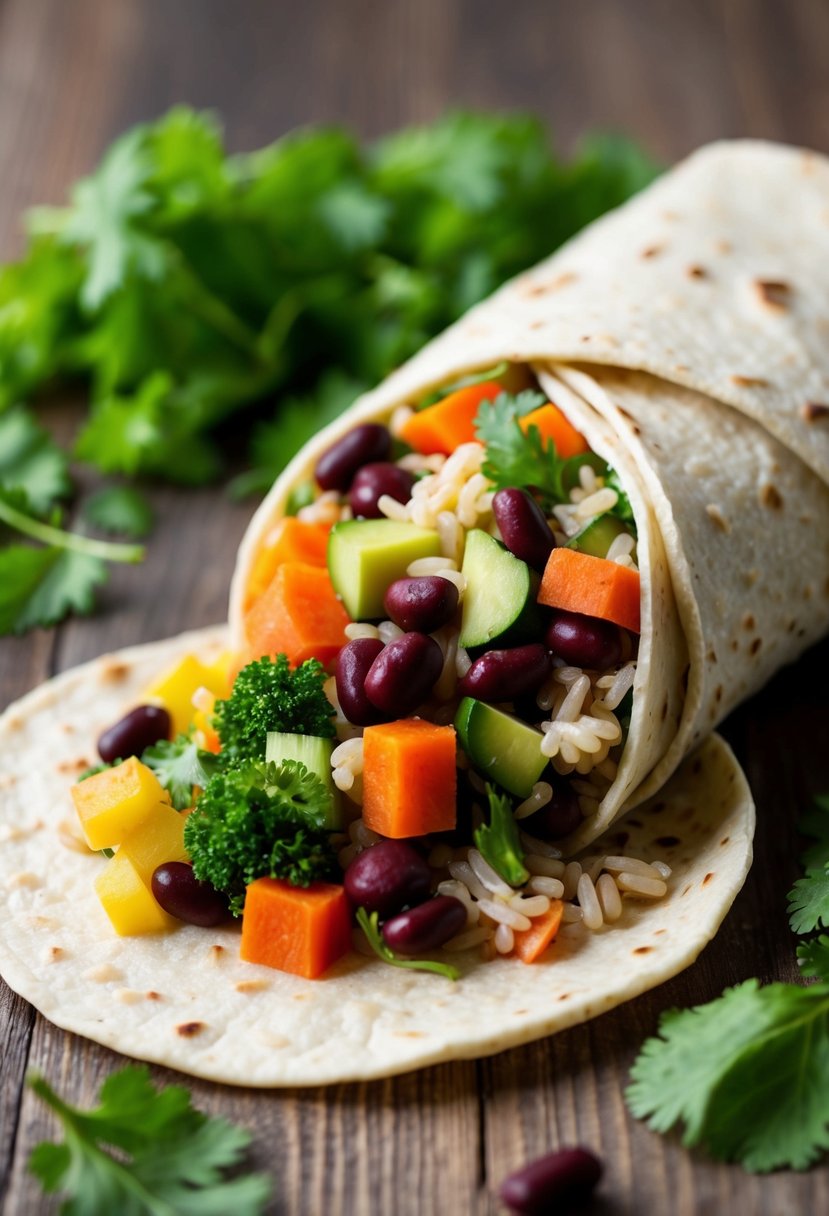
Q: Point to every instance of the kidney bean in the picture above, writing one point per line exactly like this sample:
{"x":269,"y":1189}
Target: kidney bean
{"x":503,"y":675}
{"x":402,"y":675}
{"x":372,"y":481}
{"x":427,"y":927}
{"x":361,"y":445}
{"x":558,"y":818}
{"x":552,"y":1183}
{"x":422,"y":604}
{"x":388,"y":877}
{"x":141,"y":727}
{"x":523,"y":527}
{"x":186,"y":897}
{"x":353,"y":664}
{"x":584,"y":641}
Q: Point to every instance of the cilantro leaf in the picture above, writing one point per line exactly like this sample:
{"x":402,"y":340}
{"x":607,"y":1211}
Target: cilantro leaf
{"x":30,"y":461}
{"x":809,"y":897}
{"x":39,"y":587}
{"x":119,"y":509}
{"x":813,"y":957}
{"x":370,"y":926}
{"x":748,"y":1074}
{"x":171,"y":1158}
{"x":179,"y":764}
{"x":498,"y":841}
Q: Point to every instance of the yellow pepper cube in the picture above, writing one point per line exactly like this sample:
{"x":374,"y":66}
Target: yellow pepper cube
{"x":217,"y":675}
{"x":159,"y":839}
{"x":113,"y":803}
{"x":175,"y":687}
{"x":128,"y":901}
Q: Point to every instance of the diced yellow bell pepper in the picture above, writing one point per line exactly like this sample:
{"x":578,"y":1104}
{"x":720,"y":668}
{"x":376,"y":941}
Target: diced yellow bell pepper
{"x":128,"y":901}
{"x":158,"y":839}
{"x":174,"y":688}
{"x":125,"y":886}
{"x":113,"y":803}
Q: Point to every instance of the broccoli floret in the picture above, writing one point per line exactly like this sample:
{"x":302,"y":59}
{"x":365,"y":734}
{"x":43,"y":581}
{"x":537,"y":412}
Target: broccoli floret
{"x":268,"y":695}
{"x":260,"y":821}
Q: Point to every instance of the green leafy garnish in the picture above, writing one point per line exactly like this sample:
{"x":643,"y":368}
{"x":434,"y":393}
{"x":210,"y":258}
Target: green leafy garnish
{"x":144,"y":1152}
{"x":748,"y":1074}
{"x":30,"y":461}
{"x":179,"y":764}
{"x":809,"y":897}
{"x":119,"y":509}
{"x":269,"y":696}
{"x":499,"y":842}
{"x":260,"y":821}
{"x":528,"y":461}
{"x":371,"y":927}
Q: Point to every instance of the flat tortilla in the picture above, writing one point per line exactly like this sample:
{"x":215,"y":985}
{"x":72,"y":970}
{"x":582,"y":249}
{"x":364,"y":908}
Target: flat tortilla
{"x":186,"y":1000}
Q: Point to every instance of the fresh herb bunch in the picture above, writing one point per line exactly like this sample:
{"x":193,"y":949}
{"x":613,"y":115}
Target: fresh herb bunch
{"x":168,"y":1158}
{"x":528,"y":460}
{"x":269,"y":696}
{"x":183,"y":284}
{"x":748,"y":1073}
{"x":179,"y":764}
{"x":260,"y":821}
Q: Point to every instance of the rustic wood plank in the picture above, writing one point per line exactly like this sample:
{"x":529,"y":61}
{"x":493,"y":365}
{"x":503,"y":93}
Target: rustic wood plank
{"x":70,"y":77}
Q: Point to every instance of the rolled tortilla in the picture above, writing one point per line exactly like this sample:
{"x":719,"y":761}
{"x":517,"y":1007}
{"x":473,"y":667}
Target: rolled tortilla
{"x":685,"y":336}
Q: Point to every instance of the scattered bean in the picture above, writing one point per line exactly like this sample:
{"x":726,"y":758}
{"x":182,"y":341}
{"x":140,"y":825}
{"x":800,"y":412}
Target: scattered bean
{"x":186,"y":897}
{"x":422,"y":604}
{"x":372,"y":481}
{"x":361,"y":445}
{"x":503,"y":675}
{"x":353,"y":664}
{"x":402,"y":675}
{"x":388,"y":877}
{"x":552,"y":1183}
{"x":523,"y":527}
{"x":584,"y":641}
{"x":141,"y":727}
{"x":426,"y":927}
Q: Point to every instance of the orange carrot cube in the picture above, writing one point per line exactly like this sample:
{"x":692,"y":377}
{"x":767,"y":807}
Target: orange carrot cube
{"x":409,"y":778}
{"x":302,"y":930}
{"x":290,"y":540}
{"x":592,"y":586}
{"x":299,"y":615}
{"x":552,"y":424}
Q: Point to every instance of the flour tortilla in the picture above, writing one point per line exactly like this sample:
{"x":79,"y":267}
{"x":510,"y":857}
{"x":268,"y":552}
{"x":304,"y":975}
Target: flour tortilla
{"x":186,"y":1000}
{"x":698,"y":315}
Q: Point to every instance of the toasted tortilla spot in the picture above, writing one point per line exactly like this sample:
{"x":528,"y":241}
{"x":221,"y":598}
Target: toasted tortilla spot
{"x":707,"y":879}
{"x":252,"y":986}
{"x":643,"y":949}
{"x":55,"y":953}
{"x":724,"y":841}
{"x":771,"y":497}
{"x":668,"y":842}
{"x":73,"y":766}
{"x":189,"y":1030}
{"x":815,"y":411}
{"x":773,"y":294}
{"x":749,"y":381}
{"x":716,"y":516}
{"x":652,"y":251}
{"x":154,"y":996}
{"x":113,"y":671}
{"x":755,"y":646}
{"x":697,"y":272}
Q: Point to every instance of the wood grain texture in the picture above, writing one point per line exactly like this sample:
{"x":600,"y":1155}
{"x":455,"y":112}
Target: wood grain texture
{"x":71,"y":76}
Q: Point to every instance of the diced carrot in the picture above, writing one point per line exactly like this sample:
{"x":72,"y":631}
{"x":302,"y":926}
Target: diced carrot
{"x":409,"y":778}
{"x":531,"y":943}
{"x":290,"y":540}
{"x":447,"y":424}
{"x":298,"y":929}
{"x":552,"y":424}
{"x":299,"y":614}
{"x":592,"y":586}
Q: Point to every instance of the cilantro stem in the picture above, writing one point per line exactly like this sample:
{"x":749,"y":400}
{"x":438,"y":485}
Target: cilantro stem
{"x":108,"y":551}
{"x":370,"y":926}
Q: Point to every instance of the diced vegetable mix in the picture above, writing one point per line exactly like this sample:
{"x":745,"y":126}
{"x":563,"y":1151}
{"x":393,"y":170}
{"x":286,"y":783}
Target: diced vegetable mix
{"x":462,"y":679}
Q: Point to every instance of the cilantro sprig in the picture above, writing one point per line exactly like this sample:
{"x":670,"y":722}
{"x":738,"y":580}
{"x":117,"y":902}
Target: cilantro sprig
{"x":499,"y":842}
{"x":748,"y":1073}
{"x":144,"y":1152}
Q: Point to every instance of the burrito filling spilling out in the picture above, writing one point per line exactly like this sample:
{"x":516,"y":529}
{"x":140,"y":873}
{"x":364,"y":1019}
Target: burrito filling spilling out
{"x":452,"y":601}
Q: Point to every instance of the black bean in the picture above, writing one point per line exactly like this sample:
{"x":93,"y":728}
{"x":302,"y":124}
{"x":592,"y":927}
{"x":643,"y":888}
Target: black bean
{"x":523,"y":527}
{"x":503,"y":675}
{"x":353,"y":664}
{"x":422,"y":604}
{"x":372,"y":481}
{"x":141,"y":727}
{"x":552,"y":1183}
{"x":559,"y":817}
{"x":584,"y":641}
{"x":361,"y":445}
{"x":388,"y":877}
{"x":186,"y":897}
{"x":427,"y":927}
{"x":402,"y":675}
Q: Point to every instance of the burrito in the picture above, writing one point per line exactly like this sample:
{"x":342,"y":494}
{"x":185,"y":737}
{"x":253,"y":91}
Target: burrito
{"x":531,"y":572}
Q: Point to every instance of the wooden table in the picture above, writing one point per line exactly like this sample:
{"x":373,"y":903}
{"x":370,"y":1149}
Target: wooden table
{"x":71,"y":76}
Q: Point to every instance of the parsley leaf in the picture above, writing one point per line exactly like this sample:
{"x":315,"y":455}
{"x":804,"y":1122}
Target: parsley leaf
{"x":179,"y":764}
{"x":748,"y":1073}
{"x":30,"y":461}
{"x":119,"y":509}
{"x":498,"y":841}
{"x":170,"y":1157}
